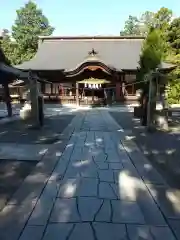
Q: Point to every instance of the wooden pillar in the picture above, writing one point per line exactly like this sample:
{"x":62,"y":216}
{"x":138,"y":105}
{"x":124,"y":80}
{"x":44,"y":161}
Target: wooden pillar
{"x":118,"y":87}
{"x":92,"y":96}
{"x":151,"y":101}
{"x":118,"y":91}
{"x":7,"y":99}
{"x":122,"y":92}
{"x":34,"y":101}
{"x":43,"y":87}
{"x":77,"y":94}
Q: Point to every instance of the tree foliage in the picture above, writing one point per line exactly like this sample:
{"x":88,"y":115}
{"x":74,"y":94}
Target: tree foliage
{"x":173,"y":38}
{"x":161,"y":44}
{"x":162,"y":21}
{"x":151,"y":55}
{"x":131,"y":27}
{"x":148,"y":20}
{"x":163,"y":18}
{"x":173,"y":91}
{"x":152,"y":52}
{"x":3,"y":56}
{"x":30,"y":23}
{"x":173,"y":35}
{"x":10,"y":49}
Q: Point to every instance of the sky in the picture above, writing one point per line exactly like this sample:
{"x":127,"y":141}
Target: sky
{"x":86,"y":17}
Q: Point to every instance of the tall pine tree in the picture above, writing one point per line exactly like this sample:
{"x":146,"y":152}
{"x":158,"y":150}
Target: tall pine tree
{"x":30,"y":23}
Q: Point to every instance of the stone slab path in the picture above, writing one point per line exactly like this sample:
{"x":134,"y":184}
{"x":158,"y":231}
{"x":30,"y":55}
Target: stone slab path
{"x":100,"y":189}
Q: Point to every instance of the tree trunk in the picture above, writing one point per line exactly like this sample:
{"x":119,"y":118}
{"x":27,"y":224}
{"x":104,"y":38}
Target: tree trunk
{"x":7,"y":99}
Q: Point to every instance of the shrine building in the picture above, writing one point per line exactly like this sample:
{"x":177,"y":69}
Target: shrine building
{"x":78,"y":69}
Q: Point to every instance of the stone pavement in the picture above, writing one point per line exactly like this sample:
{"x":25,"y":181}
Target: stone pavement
{"x":100,"y":188}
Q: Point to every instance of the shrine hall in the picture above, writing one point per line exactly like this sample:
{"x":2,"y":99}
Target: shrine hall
{"x":82,"y":70}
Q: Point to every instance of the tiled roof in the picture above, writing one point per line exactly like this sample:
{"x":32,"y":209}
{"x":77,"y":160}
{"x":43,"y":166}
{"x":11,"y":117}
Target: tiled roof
{"x":67,"y":53}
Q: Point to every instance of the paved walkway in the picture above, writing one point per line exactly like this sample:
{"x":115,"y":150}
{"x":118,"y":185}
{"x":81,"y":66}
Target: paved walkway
{"x":102,"y":188}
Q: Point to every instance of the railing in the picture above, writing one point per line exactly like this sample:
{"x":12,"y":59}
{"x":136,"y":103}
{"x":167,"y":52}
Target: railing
{"x":60,"y":99}
{"x":68,"y":96}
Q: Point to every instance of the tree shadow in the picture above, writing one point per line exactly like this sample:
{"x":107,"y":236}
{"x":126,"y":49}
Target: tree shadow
{"x":23,"y":198}
{"x":12,"y":174}
{"x":63,"y":172}
{"x":16,"y":213}
{"x":22,"y":132}
{"x":161,"y":148}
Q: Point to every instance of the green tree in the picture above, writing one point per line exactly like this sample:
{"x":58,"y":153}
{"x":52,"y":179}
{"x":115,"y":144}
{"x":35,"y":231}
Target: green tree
{"x":173,"y":35}
{"x":152,"y":52}
{"x":150,"y":58}
{"x":10,"y":49}
{"x":173,"y":86}
{"x":173,"y":91}
{"x":3,"y":49}
{"x":162,"y":21}
{"x":131,"y":27}
{"x":163,"y":18}
{"x":29,"y":25}
{"x":146,"y":22}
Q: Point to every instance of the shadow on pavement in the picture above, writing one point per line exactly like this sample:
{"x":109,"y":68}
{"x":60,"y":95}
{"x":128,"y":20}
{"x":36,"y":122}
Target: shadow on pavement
{"x":92,"y":186}
{"x":22,"y":132}
{"x":161,"y":148}
{"x":12,"y":174}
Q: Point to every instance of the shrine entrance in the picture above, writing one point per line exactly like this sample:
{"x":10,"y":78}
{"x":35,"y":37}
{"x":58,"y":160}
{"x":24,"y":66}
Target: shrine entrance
{"x":93,"y":91}
{"x":91,"y":82}
{"x":93,"y":79}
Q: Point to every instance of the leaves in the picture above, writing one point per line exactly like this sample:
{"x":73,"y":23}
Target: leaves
{"x":162,"y":43}
{"x":30,"y":23}
{"x":173,"y":38}
{"x":173,"y":91}
{"x":8,"y":49}
{"x":152,"y":52}
{"x":131,"y":27}
{"x":163,"y":18}
{"x":148,"y":20}
{"x":173,"y":35}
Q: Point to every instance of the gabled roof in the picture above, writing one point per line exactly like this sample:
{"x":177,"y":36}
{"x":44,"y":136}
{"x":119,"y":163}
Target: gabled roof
{"x":67,"y":53}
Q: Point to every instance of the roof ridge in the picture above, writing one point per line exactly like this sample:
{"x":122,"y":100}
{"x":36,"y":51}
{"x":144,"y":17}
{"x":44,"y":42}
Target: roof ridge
{"x":89,"y":37}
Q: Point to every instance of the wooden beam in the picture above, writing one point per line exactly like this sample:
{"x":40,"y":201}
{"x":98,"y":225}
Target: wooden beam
{"x":92,"y":96}
{"x":34,"y":100}
{"x":77,"y":93}
{"x":7,"y":99}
